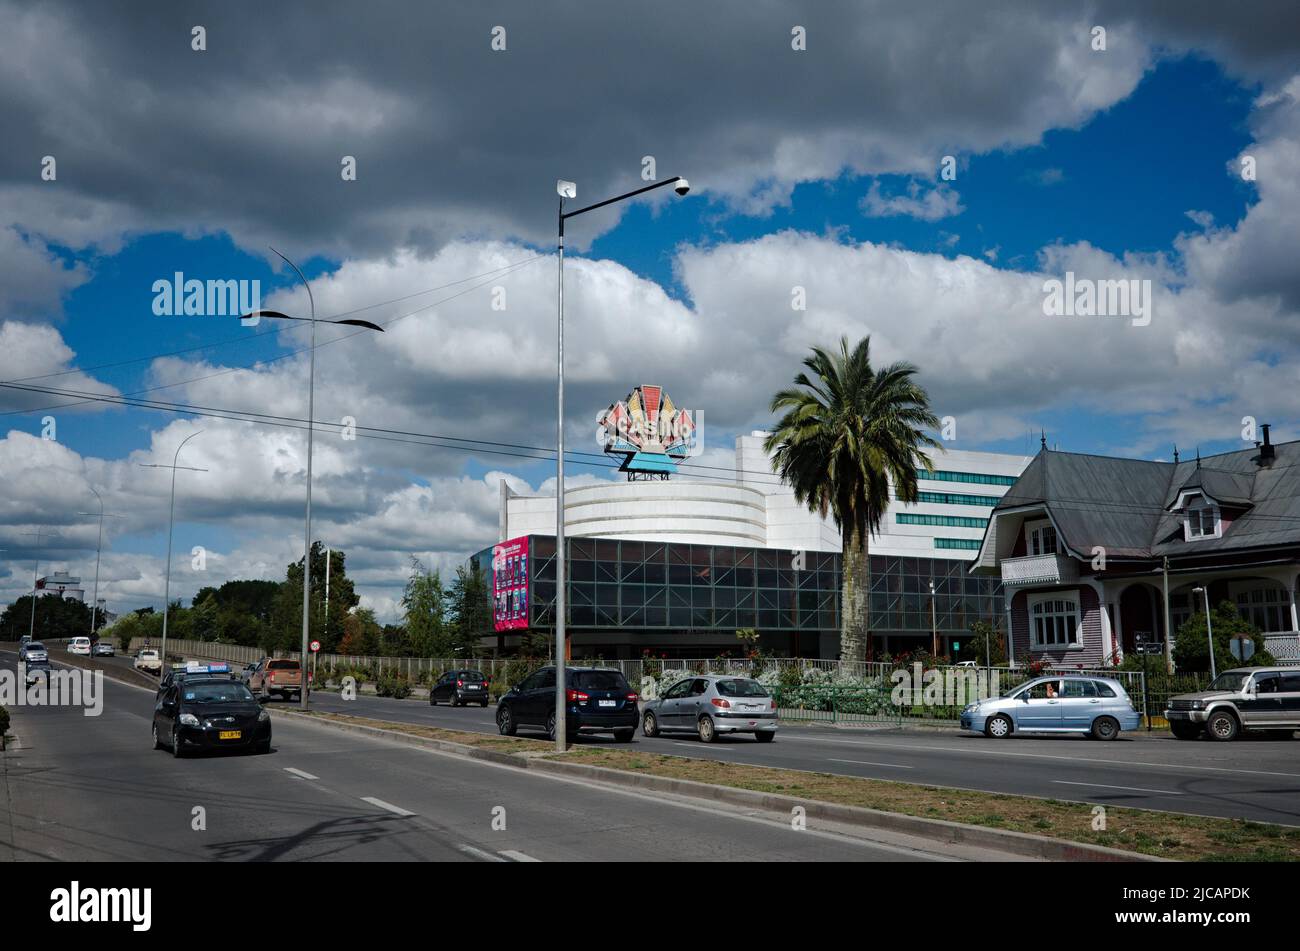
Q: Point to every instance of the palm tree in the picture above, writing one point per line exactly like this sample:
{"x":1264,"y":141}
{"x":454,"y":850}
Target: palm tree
{"x":849,"y":435}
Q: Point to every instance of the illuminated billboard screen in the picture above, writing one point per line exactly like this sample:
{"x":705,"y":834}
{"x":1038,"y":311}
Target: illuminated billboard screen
{"x":510,"y":584}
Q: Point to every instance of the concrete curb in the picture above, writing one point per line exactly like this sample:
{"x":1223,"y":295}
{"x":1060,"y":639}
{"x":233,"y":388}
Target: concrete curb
{"x":941,"y":830}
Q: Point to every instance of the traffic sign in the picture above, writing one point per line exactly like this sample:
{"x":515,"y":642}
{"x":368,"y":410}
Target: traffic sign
{"x":315,"y":646}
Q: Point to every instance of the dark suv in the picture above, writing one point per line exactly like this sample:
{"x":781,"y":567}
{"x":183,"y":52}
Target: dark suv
{"x":459,"y":687}
{"x":598,"y":700}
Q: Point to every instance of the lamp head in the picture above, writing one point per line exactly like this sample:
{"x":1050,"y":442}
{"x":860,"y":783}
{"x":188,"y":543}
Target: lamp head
{"x":566,"y":189}
{"x":682,"y":186}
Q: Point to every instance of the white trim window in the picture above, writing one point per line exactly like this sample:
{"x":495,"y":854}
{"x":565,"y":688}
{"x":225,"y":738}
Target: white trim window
{"x":1201,"y":519}
{"x":1040,"y":538}
{"x":1054,"y":621}
{"x":1264,"y":604}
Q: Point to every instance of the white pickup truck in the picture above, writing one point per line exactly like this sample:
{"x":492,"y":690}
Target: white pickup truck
{"x":149,"y":660}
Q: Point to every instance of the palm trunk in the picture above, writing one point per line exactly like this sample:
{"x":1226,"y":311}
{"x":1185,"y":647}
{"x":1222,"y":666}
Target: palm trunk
{"x":854,"y":632}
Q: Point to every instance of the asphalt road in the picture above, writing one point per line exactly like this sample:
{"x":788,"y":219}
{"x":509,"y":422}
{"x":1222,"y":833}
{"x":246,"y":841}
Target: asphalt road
{"x":92,"y":788}
{"x":1249,"y":779}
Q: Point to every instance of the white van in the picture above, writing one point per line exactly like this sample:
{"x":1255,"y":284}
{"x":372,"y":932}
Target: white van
{"x":79,"y":645}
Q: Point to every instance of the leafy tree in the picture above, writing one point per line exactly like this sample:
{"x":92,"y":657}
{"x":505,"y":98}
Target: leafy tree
{"x":852,"y":435}
{"x":423,"y":604}
{"x":361,"y":633}
{"x":470,"y":606}
{"x":1192,"y":650}
{"x":983,"y":632}
{"x":285,"y":628}
{"x":56,"y":618}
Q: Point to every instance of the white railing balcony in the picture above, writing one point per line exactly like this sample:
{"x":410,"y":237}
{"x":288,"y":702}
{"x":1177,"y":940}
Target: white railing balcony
{"x":1039,"y":569}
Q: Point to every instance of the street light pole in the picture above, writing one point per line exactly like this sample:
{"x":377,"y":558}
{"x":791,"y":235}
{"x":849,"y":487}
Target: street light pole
{"x":36,"y":568}
{"x":99,"y":545}
{"x":171,"y":524}
{"x":570,"y":190}
{"x":1209,"y":627}
{"x":304,"y":701}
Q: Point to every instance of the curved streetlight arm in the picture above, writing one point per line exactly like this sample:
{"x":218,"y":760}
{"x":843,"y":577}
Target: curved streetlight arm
{"x":610,"y":201}
{"x":276,"y":315}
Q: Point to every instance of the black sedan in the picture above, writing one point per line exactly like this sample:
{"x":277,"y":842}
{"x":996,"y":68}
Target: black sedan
{"x":597,"y":700}
{"x":210,"y":713}
{"x":459,"y":687}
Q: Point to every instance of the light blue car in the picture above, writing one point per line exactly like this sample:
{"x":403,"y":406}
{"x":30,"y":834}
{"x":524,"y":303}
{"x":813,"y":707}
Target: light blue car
{"x":1094,"y":706}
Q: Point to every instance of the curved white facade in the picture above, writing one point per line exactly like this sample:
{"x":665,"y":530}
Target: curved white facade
{"x":707,"y":513}
{"x":757,"y":510}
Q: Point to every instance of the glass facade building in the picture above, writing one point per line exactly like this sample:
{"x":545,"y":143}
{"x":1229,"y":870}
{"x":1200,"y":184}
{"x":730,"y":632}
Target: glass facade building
{"x":689,"y":600}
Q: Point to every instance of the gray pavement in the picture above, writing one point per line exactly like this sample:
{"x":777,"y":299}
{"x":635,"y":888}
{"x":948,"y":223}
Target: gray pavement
{"x":91,"y":788}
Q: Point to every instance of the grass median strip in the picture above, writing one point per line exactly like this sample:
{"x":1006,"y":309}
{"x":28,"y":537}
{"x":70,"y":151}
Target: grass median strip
{"x":1164,"y":834}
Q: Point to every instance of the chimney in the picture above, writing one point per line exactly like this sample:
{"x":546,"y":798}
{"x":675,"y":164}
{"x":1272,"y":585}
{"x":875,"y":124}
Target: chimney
{"x":1267,"y":451}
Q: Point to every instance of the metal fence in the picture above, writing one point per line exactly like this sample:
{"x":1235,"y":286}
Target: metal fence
{"x":814,"y":690}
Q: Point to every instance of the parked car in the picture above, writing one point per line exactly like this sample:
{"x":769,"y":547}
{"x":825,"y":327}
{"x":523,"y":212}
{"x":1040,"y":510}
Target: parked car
{"x":33,"y":651}
{"x":459,"y":687}
{"x":79,"y":645}
{"x":712,"y":705}
{"x":22,"y":643}
{"x":597,"y":700}
{"x":1245,"y":699}
{"x":1098,"y":707}
{"x":206,"y":713}
{"x":276,"y":675}
{"x":149,"y":660}
{"x":36,"y":669}
{"x":103,"y":649}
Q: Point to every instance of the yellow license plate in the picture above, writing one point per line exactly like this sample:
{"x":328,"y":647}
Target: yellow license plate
{"x":230,"y":734}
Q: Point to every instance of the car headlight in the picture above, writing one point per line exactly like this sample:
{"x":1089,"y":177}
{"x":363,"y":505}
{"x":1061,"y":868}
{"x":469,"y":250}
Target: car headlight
{"x":189,"y":719}
{"x":263,"y":715}
{"x":970,"y":708}
{"x":1198,"y":704}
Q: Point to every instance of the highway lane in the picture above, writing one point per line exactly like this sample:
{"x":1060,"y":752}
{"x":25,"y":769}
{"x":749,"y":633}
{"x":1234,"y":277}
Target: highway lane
{"x":1250,"y":779}
{"x":91,"y":788}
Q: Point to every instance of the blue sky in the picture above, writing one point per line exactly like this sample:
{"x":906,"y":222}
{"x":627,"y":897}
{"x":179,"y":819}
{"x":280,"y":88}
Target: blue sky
{"x":1067,"y":158}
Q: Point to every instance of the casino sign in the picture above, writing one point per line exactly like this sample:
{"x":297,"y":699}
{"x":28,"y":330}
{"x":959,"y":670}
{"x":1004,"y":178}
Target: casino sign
{"x":649,"y":432}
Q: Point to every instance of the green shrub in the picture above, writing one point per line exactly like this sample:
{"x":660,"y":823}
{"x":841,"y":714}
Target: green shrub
{"x":393,"y":685}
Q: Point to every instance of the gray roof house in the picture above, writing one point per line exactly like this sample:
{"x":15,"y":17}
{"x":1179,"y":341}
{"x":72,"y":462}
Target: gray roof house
{"x":1086,"y":545}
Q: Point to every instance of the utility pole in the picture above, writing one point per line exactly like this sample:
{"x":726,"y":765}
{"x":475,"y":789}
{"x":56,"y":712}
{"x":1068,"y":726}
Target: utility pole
{"x":1169,"y":634}
{"x":36,"y":567}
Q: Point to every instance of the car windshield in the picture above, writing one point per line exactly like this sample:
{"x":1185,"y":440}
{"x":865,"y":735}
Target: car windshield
{"x":599,"y":680}
{"x":1229,"y":680}
{"x":35,"y":646}
{"x":741,"y":688}
{"x":217,"y":693}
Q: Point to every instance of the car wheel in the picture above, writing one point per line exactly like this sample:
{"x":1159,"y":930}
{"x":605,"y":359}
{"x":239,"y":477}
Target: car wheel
{"x":707,"y":732}
{"x":765,"y":737}
{"x":550,"y":726}
{"x":1222,"y":726}
{"x":483,"y":704}
{"x":624,"y":736}
{"x":650,"y":725}
{"x":157,"y":743}
{"x":998,"y":727}
{"x":455,"y":700}
{"x":505,"y":722}
{"x":264,"y":747}
{"x":432,"y":701}
{"x":1185,"y":731}
{"x":176,"y":744}
{"x":1104,"y":728}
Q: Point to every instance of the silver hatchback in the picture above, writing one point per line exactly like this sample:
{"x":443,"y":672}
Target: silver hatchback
{"x":1098,"y":707}
{"x":710,"y":705}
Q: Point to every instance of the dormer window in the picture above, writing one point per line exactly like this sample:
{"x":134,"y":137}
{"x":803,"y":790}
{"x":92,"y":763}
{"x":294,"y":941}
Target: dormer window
{"x":1201,"y":520}
{"x":1040,"y":538}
